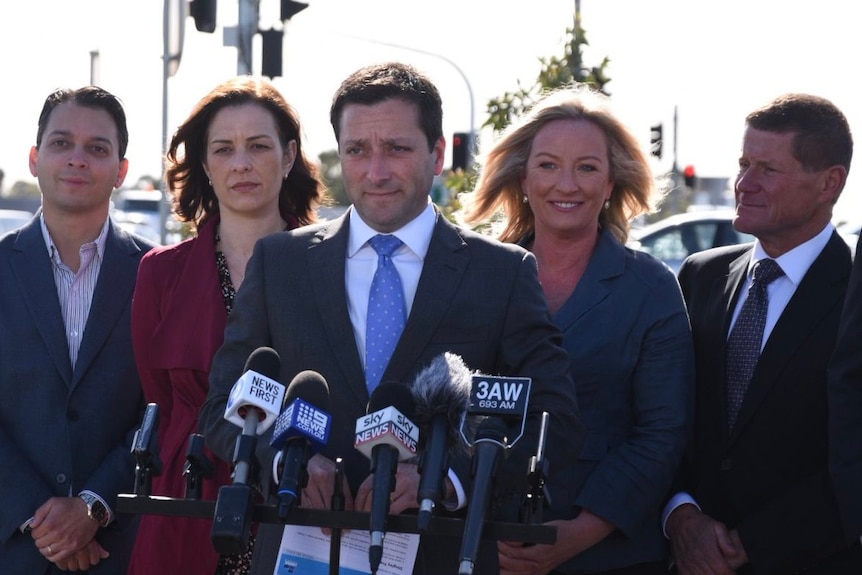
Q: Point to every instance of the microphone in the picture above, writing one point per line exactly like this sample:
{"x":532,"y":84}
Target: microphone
{"x":145,"y":448}
{"x":300,"y":431}
{"x":254,"y":402}
{"x":488,"y":447}
{"x":386,"y":436}
{"x":442,"y":394}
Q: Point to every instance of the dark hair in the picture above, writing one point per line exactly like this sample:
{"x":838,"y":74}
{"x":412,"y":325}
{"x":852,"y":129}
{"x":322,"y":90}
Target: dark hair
{"x":194,"y":198}
{"x":379,"y":82}
{"x":88,"y":97}
{"x":822,"y":135}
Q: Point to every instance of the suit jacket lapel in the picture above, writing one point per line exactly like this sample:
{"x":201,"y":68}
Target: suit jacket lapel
{"x":824,"y":283}
{"x":608,"y":261}
{"x":326,"y":268}
{"x":112,"y":296}
{"x":444,"y":266}
{"x":32,"y":267}
{"x":721,"y":302}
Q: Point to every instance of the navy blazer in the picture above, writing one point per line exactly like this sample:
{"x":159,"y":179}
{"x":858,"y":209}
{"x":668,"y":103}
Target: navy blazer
{"x":768,"y":478}
{"x":845,"y":406}
{"x":626,"y":330}
{"x":476,"y":297}
{"x":65,"y":430}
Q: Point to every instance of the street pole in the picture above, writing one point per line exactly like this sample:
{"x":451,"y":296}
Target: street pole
{"x":249,"y":13}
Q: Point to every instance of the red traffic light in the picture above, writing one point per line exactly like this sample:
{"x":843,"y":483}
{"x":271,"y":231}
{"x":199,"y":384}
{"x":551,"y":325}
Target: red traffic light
{"x":689,"y":174}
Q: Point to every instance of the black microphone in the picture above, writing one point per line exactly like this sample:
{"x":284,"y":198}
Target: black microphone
{"x":254,"y":401}
{"x":442,"y":394}
{"x":386,"y":435}
{"x":488,"y":447}
{"x":145,"y":448}
{"x":300,"y":431}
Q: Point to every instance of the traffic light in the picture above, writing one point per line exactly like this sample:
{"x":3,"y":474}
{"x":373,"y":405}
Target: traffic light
{"x":289,"y":8}
{"x":272,"y":44}
{"x":690,"y":176}
{"x":204,"y":13}
{"x":461,"y":155}
{"x":655,"y":137}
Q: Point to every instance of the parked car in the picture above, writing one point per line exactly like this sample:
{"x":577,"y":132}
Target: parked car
{"x":676,"y":237}
{"x":138,"y":211}
{"x":13,"y":219}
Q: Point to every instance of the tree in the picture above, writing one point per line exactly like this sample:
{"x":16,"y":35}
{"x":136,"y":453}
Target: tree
{"x":330,"y":173}
{"x":555,"y":72}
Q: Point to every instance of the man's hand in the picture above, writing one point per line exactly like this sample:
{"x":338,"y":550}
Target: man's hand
{"x":405,"y":495}
{"x":700,"y":544}
{"x":61,"y":527}
{"x":88,"y":556}
{"x":321,"y":485}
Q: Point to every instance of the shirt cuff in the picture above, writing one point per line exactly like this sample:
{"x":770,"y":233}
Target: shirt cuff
{"x":681,"y":498}
{"x":25,"y":527}
{"x":105,"y":503}
{"x":460,"y":495}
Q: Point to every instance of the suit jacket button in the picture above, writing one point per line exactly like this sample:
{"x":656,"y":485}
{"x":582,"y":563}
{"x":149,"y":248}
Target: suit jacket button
{"x":60,"y":478}
{"x":726,"y":465}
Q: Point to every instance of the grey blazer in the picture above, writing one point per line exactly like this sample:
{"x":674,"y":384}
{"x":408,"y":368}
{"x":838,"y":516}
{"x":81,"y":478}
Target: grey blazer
{"x":65,"y":430}
{"x":476,"y":297}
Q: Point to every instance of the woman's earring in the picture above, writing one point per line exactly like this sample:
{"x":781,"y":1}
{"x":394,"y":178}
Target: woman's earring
{"x":607,"y":204}
{"x":526,"y":200}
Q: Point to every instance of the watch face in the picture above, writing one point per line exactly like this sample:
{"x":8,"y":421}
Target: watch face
{"x":96,"y":510}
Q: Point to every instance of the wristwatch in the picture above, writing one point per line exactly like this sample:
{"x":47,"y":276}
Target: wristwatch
{"x":96,"y":510}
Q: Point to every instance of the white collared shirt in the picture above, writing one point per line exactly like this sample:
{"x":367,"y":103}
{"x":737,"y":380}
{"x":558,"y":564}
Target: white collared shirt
{"x":362,"y":263}
{"x":75,"y":289}
{"x":795,"y":264}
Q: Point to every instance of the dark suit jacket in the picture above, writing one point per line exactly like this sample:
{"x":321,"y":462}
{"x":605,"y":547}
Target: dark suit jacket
{"x":65,"y":430}
{"x":768,"y":478}
{"x":845,"y":406}
{"x":476,"y":298}
{"x":626,"y":331}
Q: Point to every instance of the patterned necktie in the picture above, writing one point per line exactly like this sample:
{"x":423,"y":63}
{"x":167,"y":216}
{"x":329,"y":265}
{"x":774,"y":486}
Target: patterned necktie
{"x":386,"y":311}
{"x":746,"y":338}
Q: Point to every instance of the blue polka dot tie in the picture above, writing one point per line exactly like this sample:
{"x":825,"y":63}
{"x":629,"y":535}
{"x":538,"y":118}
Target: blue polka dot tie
{"x":746,"y":338}
{"x":386,"y":311}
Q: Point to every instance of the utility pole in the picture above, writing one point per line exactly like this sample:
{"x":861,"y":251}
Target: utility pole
{"x":249,"y":14}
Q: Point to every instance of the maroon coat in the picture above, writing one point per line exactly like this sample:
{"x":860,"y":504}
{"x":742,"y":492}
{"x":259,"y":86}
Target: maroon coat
{"x":178,"y":321}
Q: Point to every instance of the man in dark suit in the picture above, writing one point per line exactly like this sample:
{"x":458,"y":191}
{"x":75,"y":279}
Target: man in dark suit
{"x":845,"y":407}
{"x":306,"y":294}
{"x":756,"y":496}
{"x":70,"y":388}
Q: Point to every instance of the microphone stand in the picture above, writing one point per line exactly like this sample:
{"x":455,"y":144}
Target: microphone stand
{"x":197,"y":468}
{"x":537,"y":496}
{"x":147,"y":464}
{"x":337,"y":505}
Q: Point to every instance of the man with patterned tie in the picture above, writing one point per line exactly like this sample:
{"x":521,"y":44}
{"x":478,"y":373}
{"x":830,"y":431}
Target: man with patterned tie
{"x":314,"y":294}
{"x":754,"y":494}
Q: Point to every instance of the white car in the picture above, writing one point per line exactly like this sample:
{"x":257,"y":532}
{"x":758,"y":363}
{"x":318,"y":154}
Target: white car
{"x":676,"y":237}
{"x":13,"y":219}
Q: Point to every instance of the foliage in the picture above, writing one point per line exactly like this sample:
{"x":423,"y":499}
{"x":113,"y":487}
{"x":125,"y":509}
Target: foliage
{"x":555,"y":72}
{"x":330,"y":173}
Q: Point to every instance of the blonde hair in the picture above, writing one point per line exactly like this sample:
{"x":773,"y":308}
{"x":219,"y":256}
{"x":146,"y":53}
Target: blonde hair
{"x":498,"y":188}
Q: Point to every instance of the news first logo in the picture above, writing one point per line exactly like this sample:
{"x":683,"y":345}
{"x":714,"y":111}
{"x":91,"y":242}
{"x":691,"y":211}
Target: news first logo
{"x":500,"y":396}
{"x":254,"y":390}
{"x":387,"y":426}
{"x":303,"y":417}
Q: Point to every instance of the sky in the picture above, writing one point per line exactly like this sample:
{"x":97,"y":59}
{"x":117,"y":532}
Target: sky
{"x":707,"y":63}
